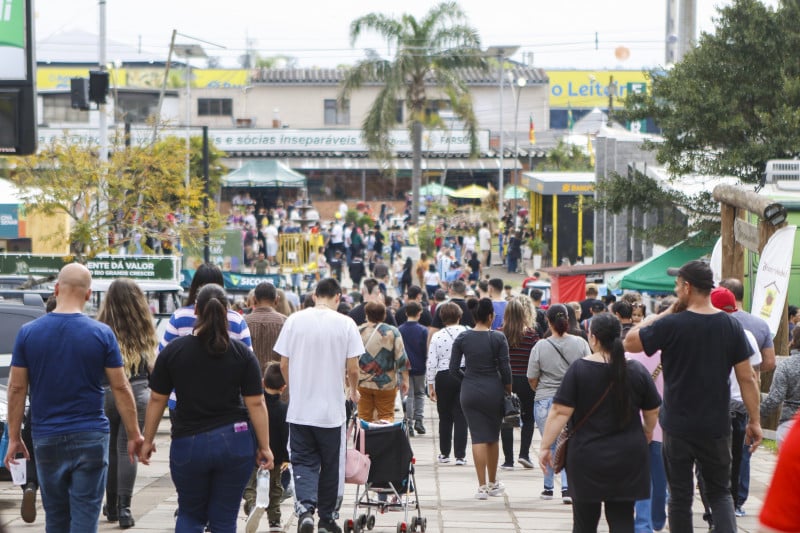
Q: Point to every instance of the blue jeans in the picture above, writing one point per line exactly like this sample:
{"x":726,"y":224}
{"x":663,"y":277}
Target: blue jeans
{"x":744,"y":476}
{"x":651,"y":514}
{"x":540,"y":410}
{"x":210,"y":471}
{"x":72,"y":476}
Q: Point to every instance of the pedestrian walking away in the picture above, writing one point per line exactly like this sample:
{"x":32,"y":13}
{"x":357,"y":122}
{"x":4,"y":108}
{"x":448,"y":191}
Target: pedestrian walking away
{"x":69,"y":427}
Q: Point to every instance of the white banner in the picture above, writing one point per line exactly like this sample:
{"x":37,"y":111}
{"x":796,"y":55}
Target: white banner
{"x":285,"y":140}
{"x":772,"y":279}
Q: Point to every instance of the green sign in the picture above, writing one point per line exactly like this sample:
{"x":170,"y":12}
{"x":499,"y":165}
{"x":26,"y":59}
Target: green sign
{"x":637,"y":126}
{"x":12,"y":39}
{"x":226,"y":250}
{"x":142,"y":268}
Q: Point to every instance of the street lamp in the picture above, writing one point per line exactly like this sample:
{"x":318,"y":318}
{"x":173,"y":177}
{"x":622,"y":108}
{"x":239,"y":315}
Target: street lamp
{"x":521,"y":82}
{"x":188,"y":51}
{"x":501,"y":52}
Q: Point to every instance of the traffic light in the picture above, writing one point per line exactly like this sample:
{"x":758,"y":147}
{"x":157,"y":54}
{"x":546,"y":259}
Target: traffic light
{"x":79,"y":93}
{"x":98,"y":86}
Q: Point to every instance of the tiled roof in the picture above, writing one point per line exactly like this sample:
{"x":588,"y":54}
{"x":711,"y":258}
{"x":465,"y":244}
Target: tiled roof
{"x":334,"y":76}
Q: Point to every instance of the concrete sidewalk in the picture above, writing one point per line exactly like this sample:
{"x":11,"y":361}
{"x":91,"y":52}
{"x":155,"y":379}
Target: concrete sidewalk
{"x":446,"y":495}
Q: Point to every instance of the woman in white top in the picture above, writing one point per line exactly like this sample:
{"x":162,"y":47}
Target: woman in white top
{"x":444,"y":389}
{"x":432,"y":280}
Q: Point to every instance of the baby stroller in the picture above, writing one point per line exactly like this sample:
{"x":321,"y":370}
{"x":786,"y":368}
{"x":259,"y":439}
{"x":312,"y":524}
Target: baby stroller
{"x":391,"y":480}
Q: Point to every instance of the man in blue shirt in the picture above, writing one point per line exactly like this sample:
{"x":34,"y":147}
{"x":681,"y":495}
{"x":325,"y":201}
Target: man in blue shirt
{"x":64,"y":357}
{"x":415,"y":339}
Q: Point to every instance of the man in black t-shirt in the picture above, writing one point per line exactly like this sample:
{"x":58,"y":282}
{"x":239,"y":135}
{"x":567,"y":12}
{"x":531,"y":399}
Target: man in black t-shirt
{"x":414,"y":294}
{"x":699,"y":345}
{"x":458,"y":296}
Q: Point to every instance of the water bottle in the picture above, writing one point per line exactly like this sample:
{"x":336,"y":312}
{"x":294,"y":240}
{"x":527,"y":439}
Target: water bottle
{"x":262,"y":488}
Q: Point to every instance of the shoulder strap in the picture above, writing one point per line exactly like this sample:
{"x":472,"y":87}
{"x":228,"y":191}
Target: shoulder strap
{"x":592,"y":410}
{"x":551,"y":343}
{"x":656,"y":372}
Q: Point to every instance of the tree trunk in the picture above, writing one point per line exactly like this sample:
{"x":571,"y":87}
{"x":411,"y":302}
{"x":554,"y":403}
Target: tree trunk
{"x":416,"y":172}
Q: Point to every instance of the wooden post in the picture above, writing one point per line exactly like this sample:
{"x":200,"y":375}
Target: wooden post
{"x":732,"y":251}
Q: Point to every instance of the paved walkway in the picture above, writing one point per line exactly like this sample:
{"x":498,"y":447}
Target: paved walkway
{"x":446,"y":495}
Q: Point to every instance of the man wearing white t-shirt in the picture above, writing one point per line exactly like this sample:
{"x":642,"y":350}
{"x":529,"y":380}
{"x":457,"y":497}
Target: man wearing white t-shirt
{"x":317,"y":345}
{"x":485,"y":242}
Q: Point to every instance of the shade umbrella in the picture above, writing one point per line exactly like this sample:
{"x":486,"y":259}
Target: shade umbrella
{"x":435,"y":189}
{"x":515,"y":192}
{"x":471,"y":192}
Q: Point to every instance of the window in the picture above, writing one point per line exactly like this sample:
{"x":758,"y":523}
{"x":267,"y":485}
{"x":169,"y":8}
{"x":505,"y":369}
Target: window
{"x":337,"y":115}
{"x":398,"y":111}
{"x":136,"y":108}
{"x":58,"y":108}
{"x":215,"y":107}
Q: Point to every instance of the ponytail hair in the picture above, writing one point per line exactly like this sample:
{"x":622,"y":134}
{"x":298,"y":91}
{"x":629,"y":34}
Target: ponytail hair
{"x":481,"y":309}
{"x":558,"y":318}
{"x":606,"y":329}
{"x":211,"y":327}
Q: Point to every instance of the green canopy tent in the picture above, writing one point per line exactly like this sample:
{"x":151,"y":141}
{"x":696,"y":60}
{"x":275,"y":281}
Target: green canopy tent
{"x":515,"y":192}
{"x":651,"y":275}
{"x":264,"y":173}
{"x":435,"y":189}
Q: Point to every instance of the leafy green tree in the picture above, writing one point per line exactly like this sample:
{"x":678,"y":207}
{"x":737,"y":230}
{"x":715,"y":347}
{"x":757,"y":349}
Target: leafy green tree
{"x":429,"y":52}
{"x":568,"y":157}
{"x":139,"y":190}
{"x":732,"y":103}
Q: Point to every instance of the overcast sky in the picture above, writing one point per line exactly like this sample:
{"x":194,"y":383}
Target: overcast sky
{"x":560,"y":33}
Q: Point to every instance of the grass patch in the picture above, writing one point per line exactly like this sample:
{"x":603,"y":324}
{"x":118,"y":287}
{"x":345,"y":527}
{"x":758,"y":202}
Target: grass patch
{"x":770,"y":445}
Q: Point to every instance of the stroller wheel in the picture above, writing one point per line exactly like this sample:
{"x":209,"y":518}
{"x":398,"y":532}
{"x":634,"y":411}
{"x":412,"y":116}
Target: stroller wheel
{"x":348,"y":526}
{"x":423,"y":524}
{"x":370,"y":522}
{"x":413,"y":524}
{"x":402,"y":527}
{"x":363,"y":520}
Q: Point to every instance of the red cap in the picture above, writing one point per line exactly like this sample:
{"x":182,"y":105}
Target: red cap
{"x":723,"y":299}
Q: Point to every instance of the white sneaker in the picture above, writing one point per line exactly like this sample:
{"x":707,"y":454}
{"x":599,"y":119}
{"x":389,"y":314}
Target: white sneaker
{"x":443,"y":459}
{"x":496,"y":489}
{"x":483,"y":493}
{"x":253,"y":519}
{"x":460,"y":461}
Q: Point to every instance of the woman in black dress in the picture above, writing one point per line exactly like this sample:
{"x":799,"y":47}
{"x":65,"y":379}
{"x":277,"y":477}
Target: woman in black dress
{"x":607,"y":458}
{"x":484,"y":382}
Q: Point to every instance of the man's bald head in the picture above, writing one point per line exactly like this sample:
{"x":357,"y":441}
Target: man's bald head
{"x":75,"y":276}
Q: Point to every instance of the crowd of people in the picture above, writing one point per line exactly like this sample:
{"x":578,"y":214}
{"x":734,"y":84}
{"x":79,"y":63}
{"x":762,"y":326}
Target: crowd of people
{"x":651,"y":398}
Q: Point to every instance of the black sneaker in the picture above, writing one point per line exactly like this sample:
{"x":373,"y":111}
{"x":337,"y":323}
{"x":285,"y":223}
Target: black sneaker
{"x":566,"y":498}
{"x":328,"y":526}
{"x":305,"y":523}
{"x":547,"y":494}
{"x":419,"y":428}
{"x":28,"y":507}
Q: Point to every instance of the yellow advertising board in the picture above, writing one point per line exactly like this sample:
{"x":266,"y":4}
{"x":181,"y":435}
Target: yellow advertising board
{"x":58,"y":77}
{"x":151,"y":78}
{"x":589,"y":88}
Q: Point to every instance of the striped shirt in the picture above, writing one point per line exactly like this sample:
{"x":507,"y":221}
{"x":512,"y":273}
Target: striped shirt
{"x":181,"y":323}
{"x":519,"y":355}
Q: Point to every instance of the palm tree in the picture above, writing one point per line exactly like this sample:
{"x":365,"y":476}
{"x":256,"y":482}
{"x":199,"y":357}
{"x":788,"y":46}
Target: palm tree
{"x":430,"y":51}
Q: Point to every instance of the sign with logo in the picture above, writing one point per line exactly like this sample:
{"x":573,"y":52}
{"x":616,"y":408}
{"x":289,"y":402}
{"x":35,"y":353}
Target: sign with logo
{"x":141,"y":268}
{"x":9,"y":221}
{"x":772,"y":278}
{"x":590,"y":88}
{"x":285,"y":140}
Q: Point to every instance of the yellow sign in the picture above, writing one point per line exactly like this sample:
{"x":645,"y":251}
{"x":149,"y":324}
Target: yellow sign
{"x":589,"y":88}
{"x":58,"y":77}
{"x":579,"y":187}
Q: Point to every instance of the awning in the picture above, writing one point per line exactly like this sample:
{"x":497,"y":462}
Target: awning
{"x":515,"y":192}
{"x":472,"y":192}
{"x":435,"y":189}
{"x":264,"y":173}
{"x":651,"y":275}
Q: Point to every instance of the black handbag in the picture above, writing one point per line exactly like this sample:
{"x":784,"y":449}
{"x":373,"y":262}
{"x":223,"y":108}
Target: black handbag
{"x":511,"y":411}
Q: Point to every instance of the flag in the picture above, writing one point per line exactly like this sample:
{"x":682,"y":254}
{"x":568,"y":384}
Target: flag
{"x":532,"y":132}
{"x":570,"y":120}
{"x":590,"y":150}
